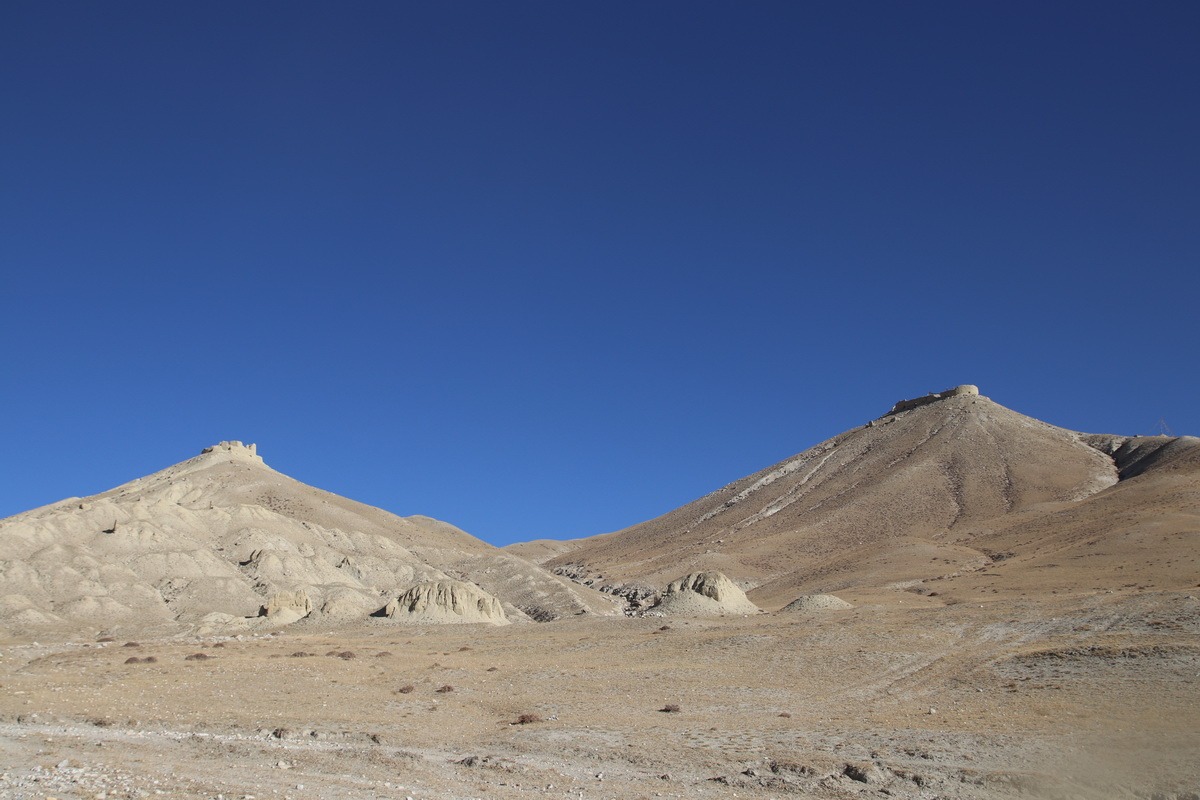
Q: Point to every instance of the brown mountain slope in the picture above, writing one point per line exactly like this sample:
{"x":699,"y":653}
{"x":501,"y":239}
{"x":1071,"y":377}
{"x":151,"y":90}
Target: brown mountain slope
{"x":920,"y":493}
{"x":214,"y":539}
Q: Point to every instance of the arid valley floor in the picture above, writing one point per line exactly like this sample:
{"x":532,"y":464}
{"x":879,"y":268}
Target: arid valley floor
{"x":1092,"y":696}
{"x":1031,"y":629}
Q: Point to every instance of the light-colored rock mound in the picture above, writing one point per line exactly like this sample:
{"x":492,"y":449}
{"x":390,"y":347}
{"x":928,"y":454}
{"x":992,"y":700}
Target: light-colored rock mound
{"x":288,"y":606}
{"x":224,"y":537}
{"x":818,"y":602}
{"x":446,"y":601}
{"x":704,"y":594}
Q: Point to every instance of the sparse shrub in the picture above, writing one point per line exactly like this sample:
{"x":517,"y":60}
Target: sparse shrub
{"x":131,"y":644}
{"x":383,"y":654}
{"x":149,"y":660}
{"x":464,"y":648}
{"x":105,"y":639}
{"x":406,"y":689}
{"x":670,"y":708}
{"x":492,"y":669}
{"x":133,"y":660}
{"x":197,"y":657}
{"x":301,"y":654}
{"x":528,"y":719}
{"x":346,"y":655}
{"x":785,"y":715}
{"x":219,"y":644}
{"x":444,"y":689}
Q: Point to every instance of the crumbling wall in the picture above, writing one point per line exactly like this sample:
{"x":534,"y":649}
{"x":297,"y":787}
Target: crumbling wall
{"x":916,"y":402}
{"x":234,"y":447}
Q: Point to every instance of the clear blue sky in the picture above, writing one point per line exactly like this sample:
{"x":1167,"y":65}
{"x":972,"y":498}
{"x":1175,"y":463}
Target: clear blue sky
{"x":550,"y":269}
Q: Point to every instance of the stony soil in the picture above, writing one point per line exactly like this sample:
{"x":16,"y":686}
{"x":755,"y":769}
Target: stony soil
{"x":1091,"y":695}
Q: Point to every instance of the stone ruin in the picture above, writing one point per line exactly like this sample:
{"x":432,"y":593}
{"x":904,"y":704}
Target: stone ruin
{"x":234,"y":447}
{"x":905,"y":405}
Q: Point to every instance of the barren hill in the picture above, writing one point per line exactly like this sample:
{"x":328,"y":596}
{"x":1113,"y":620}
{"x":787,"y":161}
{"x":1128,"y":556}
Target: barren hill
{"x":217,"y":540}
{"x":950,"y":488}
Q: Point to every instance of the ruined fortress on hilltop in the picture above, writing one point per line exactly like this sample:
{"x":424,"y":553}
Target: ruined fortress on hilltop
{"x":234,"y":448}
{"x":905,"y":405}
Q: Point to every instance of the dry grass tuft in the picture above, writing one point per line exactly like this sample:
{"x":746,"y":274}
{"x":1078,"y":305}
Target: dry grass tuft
{"x":528,"y":719}
{"x":670,"y":708}
{"x":197,"y":657}
{"x":406,"y":689}
{"x":445,"y":689}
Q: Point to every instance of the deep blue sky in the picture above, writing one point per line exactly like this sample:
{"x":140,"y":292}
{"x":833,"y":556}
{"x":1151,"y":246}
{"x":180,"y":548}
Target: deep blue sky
{"x":550,"y":269}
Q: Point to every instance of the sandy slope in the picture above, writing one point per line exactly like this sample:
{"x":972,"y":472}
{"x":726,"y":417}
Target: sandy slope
{"x":208,"y":542}
{"x":961,"y":486}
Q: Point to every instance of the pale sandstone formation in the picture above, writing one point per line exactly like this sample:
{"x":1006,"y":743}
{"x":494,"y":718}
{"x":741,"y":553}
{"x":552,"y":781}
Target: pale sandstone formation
{"x":704,"y":594}
{"x":288,"y":606}
{"x":446,"y":601}
{"x":223,"y":542}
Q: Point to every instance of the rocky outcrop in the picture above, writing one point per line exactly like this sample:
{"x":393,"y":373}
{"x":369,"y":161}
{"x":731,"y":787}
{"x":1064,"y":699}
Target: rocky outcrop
{"x":446,"y":601}
{"x":704,"y":594}
{"x":286,"y":607}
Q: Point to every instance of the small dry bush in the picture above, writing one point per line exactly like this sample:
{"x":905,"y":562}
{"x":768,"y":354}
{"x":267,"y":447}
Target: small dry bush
{"x":131,"y":644}
{"x":197,"y":657}
{"x":301,"y":654}
{"x":406,"y":689}
{"x":383,"y":654}
{"x":346,"y":655}
{"x":104,"y":639}
{"x":528,"y":719}
{"x":444,"y":689}
{"x":133,"y":660}
{"x":670,"y":708}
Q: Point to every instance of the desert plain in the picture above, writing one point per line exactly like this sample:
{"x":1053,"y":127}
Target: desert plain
{"x":1018,"y":617}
